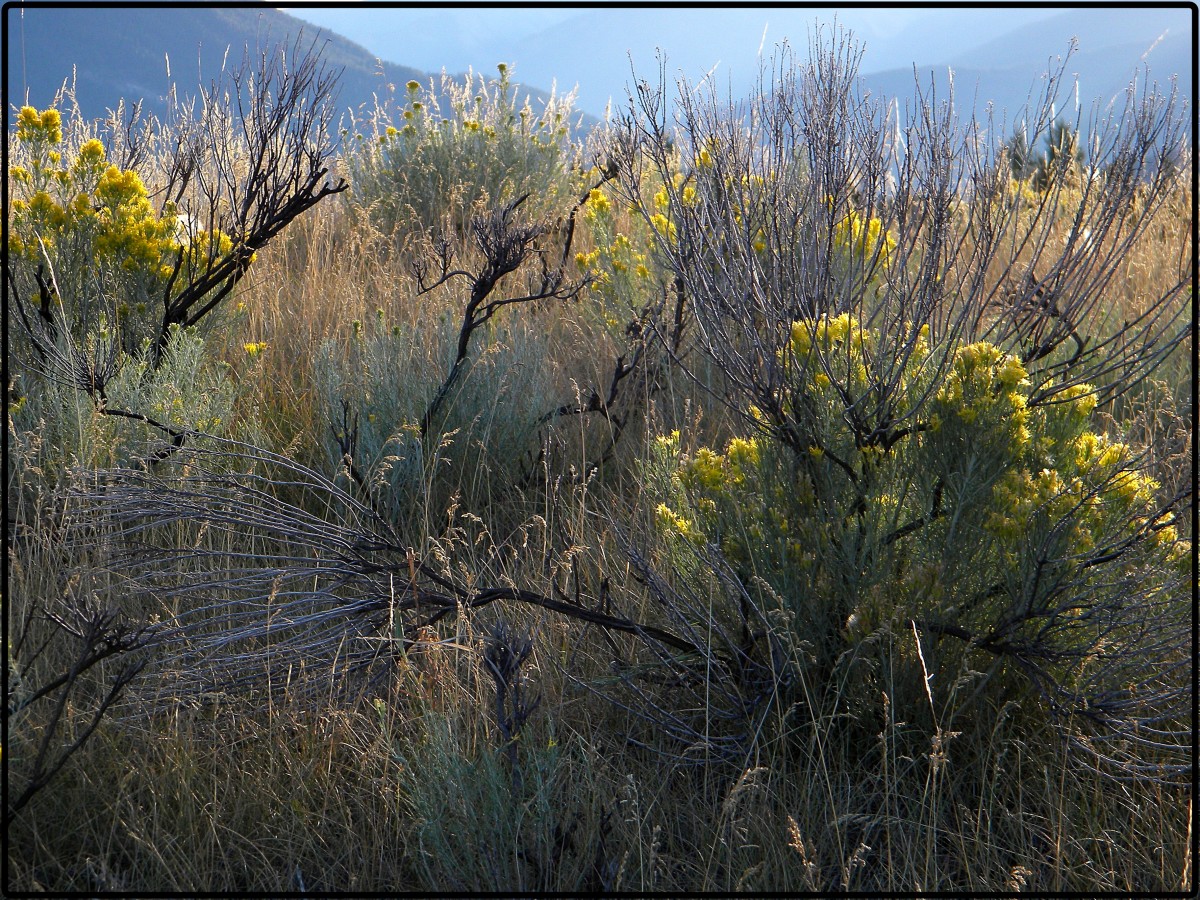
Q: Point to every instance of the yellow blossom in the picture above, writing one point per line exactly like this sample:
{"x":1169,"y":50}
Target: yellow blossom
{"x":671,"y":522}
{"x":1011,"y":373}
{"x":705,"y":472}
{"x":663,"y":226}
{"x":598,"y":201}
{"x":32,"y":125}
{"x":91,"y":152}
{"x":668,"y":442}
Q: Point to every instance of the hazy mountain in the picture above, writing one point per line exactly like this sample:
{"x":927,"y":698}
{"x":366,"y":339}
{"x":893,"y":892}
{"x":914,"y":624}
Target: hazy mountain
{"x":1115,"y":48}
{"x":436,"y":38}
{"x":115,"y":53}
{"x":591,"y":47}
{"x":1002,"y":50}
{"x":1096,"y":29}
{"x":728,"y":41}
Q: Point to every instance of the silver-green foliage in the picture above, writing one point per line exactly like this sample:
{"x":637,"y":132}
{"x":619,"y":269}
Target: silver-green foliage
{"x":375,"y":388}
{"x":475,"y":829}
{"x":419,"y":169}
{"x":55,"y":425}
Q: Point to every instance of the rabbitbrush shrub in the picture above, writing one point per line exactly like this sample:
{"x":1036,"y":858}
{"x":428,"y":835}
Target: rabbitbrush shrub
{"x":920,"y":490}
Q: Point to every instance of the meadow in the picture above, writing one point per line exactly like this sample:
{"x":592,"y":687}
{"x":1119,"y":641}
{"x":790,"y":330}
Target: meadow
{"x":767,"y":496}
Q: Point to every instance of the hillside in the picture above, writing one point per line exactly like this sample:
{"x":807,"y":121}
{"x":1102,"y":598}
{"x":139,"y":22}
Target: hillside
{"x":115,"y":53}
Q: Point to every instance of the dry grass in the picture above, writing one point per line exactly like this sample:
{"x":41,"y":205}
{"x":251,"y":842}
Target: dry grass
{"x":379,"y":794}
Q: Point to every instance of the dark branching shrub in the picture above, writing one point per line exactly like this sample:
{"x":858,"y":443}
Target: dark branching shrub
{"x":461,"y":404}
{"x":463,"y":409}
{"x":90,"y":635}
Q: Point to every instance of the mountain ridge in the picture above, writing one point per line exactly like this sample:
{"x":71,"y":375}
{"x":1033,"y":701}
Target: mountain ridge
{"x":122,"y":53}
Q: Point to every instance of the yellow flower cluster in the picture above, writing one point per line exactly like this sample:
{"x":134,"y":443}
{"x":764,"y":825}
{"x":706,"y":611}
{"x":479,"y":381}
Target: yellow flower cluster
{"x":818,"y":347}
{"x":1080,"y":400}
{"x":1021,"y":496}
{"x":746,"y":518}
{"x":864,"y":238}
{"x":1093,"y":451}
{"x":742,"y":456}
{"x":707,"y":153}
{"x":91,"y":155}
{"x":1022,"y":191}
{"x":128,"y":230}
{"x":983,"y":389}
{"x":619,"y":263}
{"x":721,"y":489}
{"x":704,"y":472}
{"x":671,"y":522}
{"x":96,"y":208}
{"x":1090,"y":488}
{"x":34,"y":126}
{"x":823,"y":333}
{"x":596,"y":205}
{"x":1108,"y":464}
{"x":587,"y":261}
{"x":664,"y":227}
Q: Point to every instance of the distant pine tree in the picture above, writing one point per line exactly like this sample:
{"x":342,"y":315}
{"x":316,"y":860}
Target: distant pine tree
{"x":1062,"y":156}
{"x":1020,"y":158}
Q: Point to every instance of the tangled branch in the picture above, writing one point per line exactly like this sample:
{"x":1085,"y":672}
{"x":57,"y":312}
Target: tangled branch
{"x":255,"y":591}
